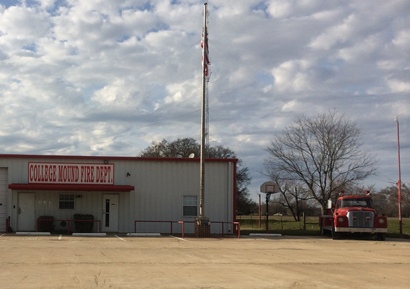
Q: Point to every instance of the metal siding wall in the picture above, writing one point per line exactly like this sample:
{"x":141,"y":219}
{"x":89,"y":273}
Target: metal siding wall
{"x":159,"y":188}
{"x":47,"y":204}
{"x":3,"y":199}
{"x":218,"y":195}
{"x":16,"y":173}
{"x":124,"y":212}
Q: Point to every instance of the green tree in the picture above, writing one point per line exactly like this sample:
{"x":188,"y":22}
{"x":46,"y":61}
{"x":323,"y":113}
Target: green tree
{"x":321,"y":154}
{"x":186,"y":147}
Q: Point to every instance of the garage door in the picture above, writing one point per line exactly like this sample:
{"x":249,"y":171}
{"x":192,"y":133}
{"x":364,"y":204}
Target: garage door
{"x":3,"y":195}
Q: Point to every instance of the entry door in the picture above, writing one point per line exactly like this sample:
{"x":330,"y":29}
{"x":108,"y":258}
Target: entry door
{"x":110,"y":213}
{"x":26,"y":214}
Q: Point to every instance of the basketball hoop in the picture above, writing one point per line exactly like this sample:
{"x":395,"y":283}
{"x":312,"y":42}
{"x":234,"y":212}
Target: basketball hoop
{"x":268,"y":188}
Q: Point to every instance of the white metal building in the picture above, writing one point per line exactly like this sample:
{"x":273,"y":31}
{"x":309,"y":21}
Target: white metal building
{"x":124,"y":194}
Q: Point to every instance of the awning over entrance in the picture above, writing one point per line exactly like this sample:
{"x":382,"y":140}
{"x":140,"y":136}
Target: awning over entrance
{"x":71,"y":187}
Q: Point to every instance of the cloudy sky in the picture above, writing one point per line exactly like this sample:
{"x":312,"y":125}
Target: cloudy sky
{"x":108,"y":77}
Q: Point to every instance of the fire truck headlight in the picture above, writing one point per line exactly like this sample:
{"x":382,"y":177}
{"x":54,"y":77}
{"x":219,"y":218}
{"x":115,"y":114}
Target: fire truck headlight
{"x":340,"y":220}
{"x":381,"y":221}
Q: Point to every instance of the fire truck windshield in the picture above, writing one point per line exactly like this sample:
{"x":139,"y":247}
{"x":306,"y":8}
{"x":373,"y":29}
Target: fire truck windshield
{"x":365,"y":202}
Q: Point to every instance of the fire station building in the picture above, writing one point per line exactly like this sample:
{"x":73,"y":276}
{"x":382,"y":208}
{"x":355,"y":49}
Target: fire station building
{"x":123,"y":194}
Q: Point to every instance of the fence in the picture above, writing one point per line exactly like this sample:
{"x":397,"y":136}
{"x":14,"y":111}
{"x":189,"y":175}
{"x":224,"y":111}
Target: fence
{"x":182,"y":223}
{"x":171,"y":224}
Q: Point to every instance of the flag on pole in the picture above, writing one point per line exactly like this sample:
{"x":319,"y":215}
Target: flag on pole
{"x":205,"y":52}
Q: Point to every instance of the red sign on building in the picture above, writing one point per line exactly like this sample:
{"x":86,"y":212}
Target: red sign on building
{"x":69,"y":173}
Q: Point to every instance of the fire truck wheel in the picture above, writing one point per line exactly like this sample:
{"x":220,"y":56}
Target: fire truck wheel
{"x":381,"y":237}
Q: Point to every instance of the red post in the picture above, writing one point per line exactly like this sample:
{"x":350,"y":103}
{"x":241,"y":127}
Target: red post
{"x":182,"y":228}
{"x":238,"y":225}
{"x":399,"y":181}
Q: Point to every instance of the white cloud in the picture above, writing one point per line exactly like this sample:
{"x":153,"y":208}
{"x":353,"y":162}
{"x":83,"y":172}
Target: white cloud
{"x":402,"y":39}
{"x":335,"y":35}
{"x":292,"y":76}
{"x":399,"y":86}
{"x":290,"y":106}
{"x":20,"y":27}
{"x":280,"y":9}
{"x":46,"y":4}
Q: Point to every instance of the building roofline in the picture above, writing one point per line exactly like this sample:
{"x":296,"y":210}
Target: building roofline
{"x":113,"y":158}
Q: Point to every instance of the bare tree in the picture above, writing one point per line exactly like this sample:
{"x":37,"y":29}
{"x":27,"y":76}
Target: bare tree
{"x":321,"y":154}
{"x":292,"y":197}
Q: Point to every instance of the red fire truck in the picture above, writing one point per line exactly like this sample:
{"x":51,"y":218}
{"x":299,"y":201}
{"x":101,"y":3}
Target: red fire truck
{"x":353,"y":214}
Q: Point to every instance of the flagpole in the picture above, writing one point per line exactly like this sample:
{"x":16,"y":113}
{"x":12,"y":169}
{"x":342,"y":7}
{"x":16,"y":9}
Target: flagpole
{"x":203,"y":116}
{"x":203,"y":227}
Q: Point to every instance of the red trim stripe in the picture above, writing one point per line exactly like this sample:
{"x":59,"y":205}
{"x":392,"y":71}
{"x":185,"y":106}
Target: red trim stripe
{"x":71,"y":187}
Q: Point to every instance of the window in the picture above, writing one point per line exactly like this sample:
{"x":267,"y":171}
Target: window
{"x":355,"y":202}
{"x":190,"y":204}
{"x":66,"y":202}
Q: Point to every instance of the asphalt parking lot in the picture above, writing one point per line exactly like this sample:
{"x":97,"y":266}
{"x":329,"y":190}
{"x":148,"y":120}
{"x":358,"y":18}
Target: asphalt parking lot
{"x":117,"y":261}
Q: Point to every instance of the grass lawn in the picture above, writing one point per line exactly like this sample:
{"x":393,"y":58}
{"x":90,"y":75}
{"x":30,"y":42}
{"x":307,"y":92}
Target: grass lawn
{"x":286,"y":225}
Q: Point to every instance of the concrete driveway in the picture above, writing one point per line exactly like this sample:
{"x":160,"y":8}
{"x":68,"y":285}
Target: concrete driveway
{"x":118,"y":261}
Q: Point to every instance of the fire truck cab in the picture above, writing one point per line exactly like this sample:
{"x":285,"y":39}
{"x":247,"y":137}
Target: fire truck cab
{"x":353,"y":214}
